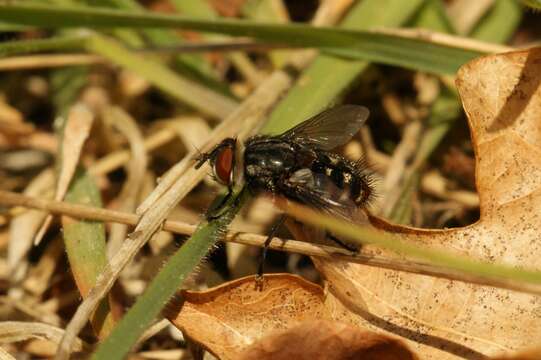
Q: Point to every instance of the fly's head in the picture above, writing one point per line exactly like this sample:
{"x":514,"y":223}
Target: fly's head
{"x":223,"y":161}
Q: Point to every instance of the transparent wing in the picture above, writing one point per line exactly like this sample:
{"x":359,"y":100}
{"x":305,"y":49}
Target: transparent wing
{"x":330,"y":128}
{"x":319,"y":192}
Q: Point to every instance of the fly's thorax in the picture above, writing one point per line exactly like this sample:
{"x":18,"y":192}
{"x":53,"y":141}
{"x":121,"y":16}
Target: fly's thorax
{"x":265,"y":157}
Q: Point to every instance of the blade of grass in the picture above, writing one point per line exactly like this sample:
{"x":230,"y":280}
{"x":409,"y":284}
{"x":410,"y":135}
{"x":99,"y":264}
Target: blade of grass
{"x":193,"y":66}
{"x":85,"y":246}
{"x":500,"y":23}
{"x":287,"y":245}
{"x":204,"y":10}
{"x":367,"y":235}
{"x":536,"y":4}
{"x":66,"y":84}
{"x":241,"y":123}
{"x":444,"y":111}
{"x":187,"y":91}
{"x":402,"y":210}
{"x":84,"y":240}
{"x":8,"y":48}
{"x":315,"y":90}
{"x":166,"y":283}
{"x":497,"y":26}
{"x":272,"y":11}
{"x":390,"y":48}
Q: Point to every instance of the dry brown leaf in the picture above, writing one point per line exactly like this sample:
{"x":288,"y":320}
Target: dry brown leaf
{"x":445,"y":319}
{"x":75,"y":133}
{"x":534,"y":354}
{"x":327,"y":340}
{"x":230,"y":317}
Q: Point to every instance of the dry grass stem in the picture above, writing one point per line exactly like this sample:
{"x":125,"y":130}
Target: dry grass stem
{"x":4,"y":355}
{"x":13,"y":331}
{"x":288,"y":245}
{"x":48,"y":61}
{"x":116,"y":159}
{"x":247,"y":68}
{"x":136,"y":167}
{"x":435,"y":184}
{"x":242,"y":122}
{"x":447,"y":40}
{"x":62,"y":60}
{"x":77,"y":130}
{"x":153,"y":330}
{"x":397,"y":166}
{"x":464,"y":14}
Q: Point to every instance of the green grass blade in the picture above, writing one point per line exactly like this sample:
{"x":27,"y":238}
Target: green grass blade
{"x":363,"y":45}
{"x":193,"y":66}
{"x":85,"y":246}
{"x":9,"y":48}
{"x":166,"y":283}
{"x":162,"y":77}
{"x":328,"y":77}
{"x":368,"y":235}
{"x":403,"y":209}
{"x":500,"y":22}
{"x":535,"y":4}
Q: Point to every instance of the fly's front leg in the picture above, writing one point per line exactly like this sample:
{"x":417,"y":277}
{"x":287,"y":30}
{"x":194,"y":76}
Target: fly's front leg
{"x":214,"y":210}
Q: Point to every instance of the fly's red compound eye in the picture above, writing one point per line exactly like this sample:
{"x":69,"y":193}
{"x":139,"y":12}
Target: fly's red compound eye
{"x":223,"y":165}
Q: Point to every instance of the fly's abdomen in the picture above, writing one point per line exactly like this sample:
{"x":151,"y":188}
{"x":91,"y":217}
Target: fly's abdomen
{"x":351,"y":178}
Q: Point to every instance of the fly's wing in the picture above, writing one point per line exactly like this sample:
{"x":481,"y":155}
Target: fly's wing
{"x":318,"y":191}
{"x":330,"y":128}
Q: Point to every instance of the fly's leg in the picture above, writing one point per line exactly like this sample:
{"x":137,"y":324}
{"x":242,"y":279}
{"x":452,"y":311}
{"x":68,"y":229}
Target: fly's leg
{"x":343,"y":244}
{"x":272,"y":233}
{"x":214,"y":210}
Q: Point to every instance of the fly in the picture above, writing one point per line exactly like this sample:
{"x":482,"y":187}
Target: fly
{"x":299,"y":164}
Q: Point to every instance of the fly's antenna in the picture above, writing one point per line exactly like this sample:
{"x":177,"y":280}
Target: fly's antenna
{"x":200,"y":158}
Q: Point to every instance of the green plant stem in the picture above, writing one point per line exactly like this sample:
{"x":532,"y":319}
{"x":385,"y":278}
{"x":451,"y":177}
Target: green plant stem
{"x":187,"y":91}
{"x":166,"y":283}
{"x":367,"y":235}
{"x":85,"y":245}
{"x":9,"y":48}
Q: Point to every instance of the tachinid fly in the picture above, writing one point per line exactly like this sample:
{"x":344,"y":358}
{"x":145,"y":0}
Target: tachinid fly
{"x":298,"y":164}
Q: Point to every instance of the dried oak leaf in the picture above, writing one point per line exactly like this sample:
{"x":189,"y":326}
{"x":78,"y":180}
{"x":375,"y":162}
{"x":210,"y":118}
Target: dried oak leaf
{"x":534,"y":354}
{"x":444,"y":319}
{"x":229,"y":318}
{"x":326,"y":340}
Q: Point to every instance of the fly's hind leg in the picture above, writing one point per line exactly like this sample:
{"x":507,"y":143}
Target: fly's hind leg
{"x":342,"y":244}
{"x":272,"y":233}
